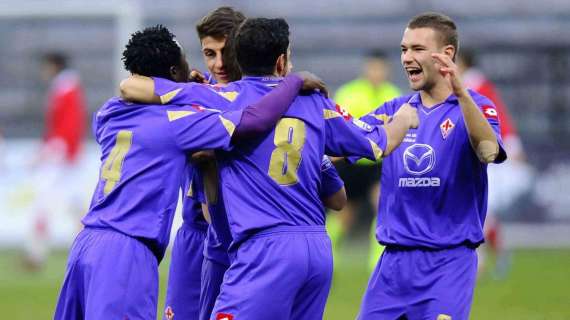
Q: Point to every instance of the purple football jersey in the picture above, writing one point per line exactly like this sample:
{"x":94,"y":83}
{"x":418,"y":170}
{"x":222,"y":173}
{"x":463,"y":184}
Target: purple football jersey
{"x":144,"y":150}
{"x":275,"y":179}
{"x":434,"y":188}
{"x":219,"y":236}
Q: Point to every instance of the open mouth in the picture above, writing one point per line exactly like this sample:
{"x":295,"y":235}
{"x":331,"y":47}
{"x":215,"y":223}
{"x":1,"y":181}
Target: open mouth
{"x":414,"y":74}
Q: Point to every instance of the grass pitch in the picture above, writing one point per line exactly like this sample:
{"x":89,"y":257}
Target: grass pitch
{"x":536,"y":288}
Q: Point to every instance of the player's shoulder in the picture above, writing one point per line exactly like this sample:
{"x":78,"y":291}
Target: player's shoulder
{"x":480,"y":99}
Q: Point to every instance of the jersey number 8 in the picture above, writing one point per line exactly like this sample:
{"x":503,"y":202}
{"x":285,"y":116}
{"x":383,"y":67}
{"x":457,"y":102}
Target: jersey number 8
{"x":285,"y":159}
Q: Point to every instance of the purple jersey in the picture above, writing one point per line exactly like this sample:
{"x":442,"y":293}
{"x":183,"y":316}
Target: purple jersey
{"x":434,"y":188}
{"x":275,"y":179}
{"x":144,"y":150}
{"x":219,"y":238}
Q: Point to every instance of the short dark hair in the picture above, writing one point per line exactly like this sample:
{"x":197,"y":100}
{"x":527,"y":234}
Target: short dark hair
{"x":58,"y":59}
{"x":440,"y":23}
{"x":229,"y":58}
{"x":151,"y":52}
{"x":219,"y":23}
{"x":259,"y":42}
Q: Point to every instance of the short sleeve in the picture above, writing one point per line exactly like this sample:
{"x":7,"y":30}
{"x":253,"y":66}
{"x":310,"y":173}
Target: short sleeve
{"x":196,"y":129}
{"x":179,"y":93}
{"x":331,"y":182}
{"x":379,"y":116}
{"x":490,"y":113}
{"x":346,"y":136}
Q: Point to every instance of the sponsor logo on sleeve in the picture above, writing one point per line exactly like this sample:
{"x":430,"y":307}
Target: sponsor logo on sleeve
{"x":490,"y":112}
{"x":343,"y":112}
{"x":362,"y":125}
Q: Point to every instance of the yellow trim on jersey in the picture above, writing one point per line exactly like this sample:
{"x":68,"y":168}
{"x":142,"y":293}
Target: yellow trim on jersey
{"x":175,"y":115}
{"x":230,"y":126}
{"x":190,"y":192}
{"x":382,"y":117}
{"x":165,"y":98}
{"x":330,"y":114}
{"x":230,"y":95}
{"x":376,"y":149}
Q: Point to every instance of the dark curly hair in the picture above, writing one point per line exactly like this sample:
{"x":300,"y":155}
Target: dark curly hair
{"x":258,"y":43}
{"x":151,"y":52}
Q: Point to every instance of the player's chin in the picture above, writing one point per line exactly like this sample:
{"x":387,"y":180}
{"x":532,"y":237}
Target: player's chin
{"x":415,"y":85}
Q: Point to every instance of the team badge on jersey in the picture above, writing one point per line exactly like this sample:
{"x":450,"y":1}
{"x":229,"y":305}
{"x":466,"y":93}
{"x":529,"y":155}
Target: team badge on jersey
{"x":224,"y":316}
{"x":343,"y":112}
{"x":442,"y":316}
{"x":446,"y":127}
{"x":168,"y":313}
{"x":490,"y":112}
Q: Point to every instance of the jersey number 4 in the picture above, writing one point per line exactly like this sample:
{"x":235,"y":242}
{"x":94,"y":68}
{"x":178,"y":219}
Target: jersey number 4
{"x":285,"y":159}
{"x":111,"y":171}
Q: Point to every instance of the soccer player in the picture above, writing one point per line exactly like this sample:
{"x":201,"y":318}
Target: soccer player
{"x":183,"y":276}
{"x":184,"y":281}
{"x":112,"y":271}
{"x":279,"y":241}
{"x":197,"y":269}
{"x":434,"y":187}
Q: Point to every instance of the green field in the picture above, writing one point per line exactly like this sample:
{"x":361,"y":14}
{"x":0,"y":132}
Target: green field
{"x":536,"y":288}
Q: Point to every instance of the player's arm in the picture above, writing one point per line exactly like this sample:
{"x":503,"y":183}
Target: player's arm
{"x":396,"y":125}
{"x":155,"y":90}
{"x":139,"y":89}
{"x":195,"y":129}
{"x":404,"y":119}
{"x":354,"y":138}
{"x":333,"y":194}
{"x":481,"y":135}
{"x":198,"y":192}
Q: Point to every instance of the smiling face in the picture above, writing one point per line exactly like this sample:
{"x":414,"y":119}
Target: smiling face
{"x":417,"y":46}
{"x":212,"y":51}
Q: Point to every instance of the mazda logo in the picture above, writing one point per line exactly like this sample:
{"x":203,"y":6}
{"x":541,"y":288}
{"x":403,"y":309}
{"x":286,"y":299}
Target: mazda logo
{"x":419,"y":159}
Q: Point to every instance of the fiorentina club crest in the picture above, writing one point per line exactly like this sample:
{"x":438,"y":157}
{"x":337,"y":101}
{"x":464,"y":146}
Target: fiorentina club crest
{"x":224,"y":316}
{"x":446,"y":127}
{"x":168,"y":313}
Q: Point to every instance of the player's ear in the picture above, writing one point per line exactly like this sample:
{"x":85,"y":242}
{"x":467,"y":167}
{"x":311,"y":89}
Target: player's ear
{"x":281,"y":65}
{"x":173,"y":71}
{"x":449,"y":51}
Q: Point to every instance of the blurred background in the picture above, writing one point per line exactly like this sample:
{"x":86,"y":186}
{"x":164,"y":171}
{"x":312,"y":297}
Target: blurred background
{"x":60,"y":61}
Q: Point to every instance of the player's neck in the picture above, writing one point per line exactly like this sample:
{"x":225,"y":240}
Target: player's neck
{"x":436,"y":95}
